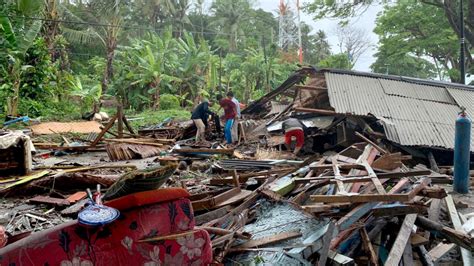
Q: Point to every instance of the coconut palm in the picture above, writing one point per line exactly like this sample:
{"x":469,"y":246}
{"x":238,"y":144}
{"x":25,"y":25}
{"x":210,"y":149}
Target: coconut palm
{"x":229,"y":17}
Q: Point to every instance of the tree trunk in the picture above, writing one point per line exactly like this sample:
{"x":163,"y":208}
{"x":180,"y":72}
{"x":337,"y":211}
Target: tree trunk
{"x":108,"y":71}
{"x":156,"y":97}
{"x":51,"y":28}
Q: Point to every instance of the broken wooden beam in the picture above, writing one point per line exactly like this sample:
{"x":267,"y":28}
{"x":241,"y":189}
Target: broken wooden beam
{"x":368,"y":247}
{"x":271,"y":239}
{"x":377,"y":147}
{"x":317,"y":111}
{"x":360,"y":198}
{"x":453,"y":214}
{"x":440,"y":250}
{"x":454,"y":236}
{"x":398,"y":247}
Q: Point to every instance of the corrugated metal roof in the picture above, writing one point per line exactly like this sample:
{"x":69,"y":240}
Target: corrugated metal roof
{"x":415,"y":114}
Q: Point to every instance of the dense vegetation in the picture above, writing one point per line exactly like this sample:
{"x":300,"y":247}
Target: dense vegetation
{"x":60,"y":58}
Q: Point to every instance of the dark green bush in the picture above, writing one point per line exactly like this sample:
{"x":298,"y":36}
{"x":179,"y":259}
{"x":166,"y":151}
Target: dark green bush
{"x":168,"y":102}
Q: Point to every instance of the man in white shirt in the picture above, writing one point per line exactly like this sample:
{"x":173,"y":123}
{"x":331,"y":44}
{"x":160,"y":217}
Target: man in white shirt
{"x":235,"y":126}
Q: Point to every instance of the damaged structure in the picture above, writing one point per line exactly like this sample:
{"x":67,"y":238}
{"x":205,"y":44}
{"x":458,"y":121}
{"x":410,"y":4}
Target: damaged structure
{"x":371,"y":188}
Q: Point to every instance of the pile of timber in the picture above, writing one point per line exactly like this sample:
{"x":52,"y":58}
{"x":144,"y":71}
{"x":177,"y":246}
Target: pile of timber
{"x":367,"y":206}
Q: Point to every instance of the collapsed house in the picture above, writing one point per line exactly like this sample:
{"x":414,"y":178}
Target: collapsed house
{"x":405,"y":112}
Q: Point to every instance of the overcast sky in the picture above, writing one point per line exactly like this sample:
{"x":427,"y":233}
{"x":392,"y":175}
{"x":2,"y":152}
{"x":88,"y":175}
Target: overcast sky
{"x":365,"y":21}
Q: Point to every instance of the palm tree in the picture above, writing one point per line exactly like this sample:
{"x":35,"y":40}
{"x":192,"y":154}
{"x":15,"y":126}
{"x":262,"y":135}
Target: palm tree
{"x":230,"y":15}
{"x":16,"y":41}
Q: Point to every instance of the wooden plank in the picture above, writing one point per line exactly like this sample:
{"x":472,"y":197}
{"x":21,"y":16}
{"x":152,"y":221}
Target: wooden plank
{"x":245,"y":177}
{"x":317,"y":111}
{"x":211,"y":215}
{"x":466,"y":255}
{"x":382,"y":151}
{"x":397,"y":209}
{"x":361,"y":198}
{"x":419,"y":187}
{"x":398,"y":247}
{"x":49,"y":200}
{"x":358,"y":212}
{"x":270,"y":239}
{"x":75,"y":208}
{"x":76,"y":197}
{"x":440,"y":250}
{"x":341,"y":166}
{"x":109,"y":125}
{"x":205,"y":150}
{"x":363,"y":178}
{"x":433,"y":213}
{"x":375,"y":180}
{"x":129,"y":127}
{"x":132,"y":141}
{"x":337,"y":176}
{"x":389,"y":161}
{"x":455,"y":236}
{"x":368,"y":246}
{"x":306,"y":87}
{"x":407,"y":257}
{"x":327,"y":238}
{"x":418,"y":240}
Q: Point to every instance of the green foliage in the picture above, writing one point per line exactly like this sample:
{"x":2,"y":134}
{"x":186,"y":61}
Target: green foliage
{"x":339,"y":61}
{"x":151,"y":117}
{"x":168,"y":102}
{"x":408,"y":36}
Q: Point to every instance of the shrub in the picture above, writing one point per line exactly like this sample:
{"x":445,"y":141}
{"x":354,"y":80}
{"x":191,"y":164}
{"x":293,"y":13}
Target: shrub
{"x":169,"y":102}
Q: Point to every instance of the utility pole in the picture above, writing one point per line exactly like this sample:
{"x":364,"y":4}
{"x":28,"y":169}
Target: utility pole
{"x":461,"y":54}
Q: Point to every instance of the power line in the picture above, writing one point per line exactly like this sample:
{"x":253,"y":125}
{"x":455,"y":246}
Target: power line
{"x":125,"y":27}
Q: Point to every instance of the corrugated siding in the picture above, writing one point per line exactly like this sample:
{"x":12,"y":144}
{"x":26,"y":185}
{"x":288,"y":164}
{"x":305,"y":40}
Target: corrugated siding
{"x":415,"y":115}
{"x":416,"y":91}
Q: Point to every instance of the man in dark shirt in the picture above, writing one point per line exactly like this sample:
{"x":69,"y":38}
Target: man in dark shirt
{"x":292,"y":127}
{"x":199,"y":116}
{"x":229,"y":116}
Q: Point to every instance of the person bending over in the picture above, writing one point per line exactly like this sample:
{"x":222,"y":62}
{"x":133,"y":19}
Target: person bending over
{"x":199,"y":116}
{"x":293,"y":127}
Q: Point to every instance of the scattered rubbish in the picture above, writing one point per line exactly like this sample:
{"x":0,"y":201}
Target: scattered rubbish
{"x":370,"y":186}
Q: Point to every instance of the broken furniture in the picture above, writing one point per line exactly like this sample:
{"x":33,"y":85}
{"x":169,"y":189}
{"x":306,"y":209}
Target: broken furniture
{"x":15,"y":153}
{"x":156,"y":227}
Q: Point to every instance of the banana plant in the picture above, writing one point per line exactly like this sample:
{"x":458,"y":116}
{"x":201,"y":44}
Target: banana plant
{"x":14,"y":44}
{"x":195,"y":60}
{"x":150,"y":60}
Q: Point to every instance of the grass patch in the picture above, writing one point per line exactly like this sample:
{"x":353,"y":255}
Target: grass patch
{"x":150,"y":117}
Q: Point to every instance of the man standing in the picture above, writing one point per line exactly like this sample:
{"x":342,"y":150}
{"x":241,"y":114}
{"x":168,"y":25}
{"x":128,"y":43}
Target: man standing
{"x":229,"y":116}
{"x":235,"y":126}
{"x":292,"y":127}
{"x":199,"y":116}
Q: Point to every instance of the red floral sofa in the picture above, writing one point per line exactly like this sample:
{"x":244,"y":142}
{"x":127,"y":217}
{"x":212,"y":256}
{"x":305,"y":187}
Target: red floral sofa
{"x":163,"y":215}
